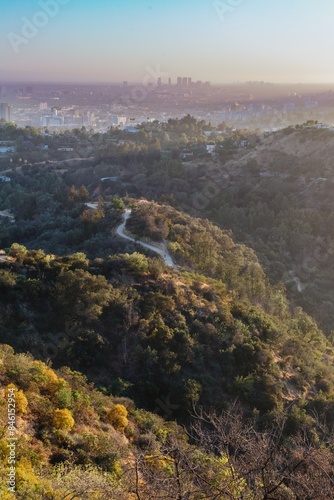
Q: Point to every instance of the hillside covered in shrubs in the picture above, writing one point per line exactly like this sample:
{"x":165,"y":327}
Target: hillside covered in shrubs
{"x":135,"y":380}
{"x":73,"y":441}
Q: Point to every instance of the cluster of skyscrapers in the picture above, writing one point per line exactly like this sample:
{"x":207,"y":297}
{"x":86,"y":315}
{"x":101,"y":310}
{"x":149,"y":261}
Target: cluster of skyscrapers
{"x":181,"y":81}
{"x":186,"y":81}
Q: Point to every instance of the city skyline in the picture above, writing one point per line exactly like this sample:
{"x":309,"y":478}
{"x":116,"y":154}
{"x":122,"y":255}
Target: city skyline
{"x":221,"y":41}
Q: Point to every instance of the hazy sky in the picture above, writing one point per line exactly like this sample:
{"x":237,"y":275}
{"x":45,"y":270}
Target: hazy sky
{"x":216,"y":40}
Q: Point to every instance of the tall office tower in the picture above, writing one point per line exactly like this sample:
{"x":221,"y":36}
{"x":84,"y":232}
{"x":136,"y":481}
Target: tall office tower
{"x":6,"y":112}
{"x":169,"y":81}
{"x":189,"y":82}
{"x":179,"y":81}
{"x":184,"y":81}
{"x":159,"y":82}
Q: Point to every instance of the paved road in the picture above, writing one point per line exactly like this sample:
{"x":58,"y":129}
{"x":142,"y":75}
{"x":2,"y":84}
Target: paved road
{"x":94,"y":206}
{"x":6,"y":213}
{"x":299,"y":285}
{"x":162,"y":252}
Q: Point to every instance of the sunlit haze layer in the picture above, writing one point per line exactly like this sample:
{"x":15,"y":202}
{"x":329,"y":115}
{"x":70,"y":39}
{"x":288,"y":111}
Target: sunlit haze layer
{"x":215,"y":40}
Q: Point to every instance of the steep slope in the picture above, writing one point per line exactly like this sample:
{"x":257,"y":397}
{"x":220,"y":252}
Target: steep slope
{"x":72,"y":441}
{"x":185,"y":345}
{"x":69,"y":440}
{"x":280,"y":203}
{"x":214,"y":330}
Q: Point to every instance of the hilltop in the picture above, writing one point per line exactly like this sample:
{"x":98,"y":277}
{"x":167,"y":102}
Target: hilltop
{"x":280,"y":202}
{"x":301,"y":142}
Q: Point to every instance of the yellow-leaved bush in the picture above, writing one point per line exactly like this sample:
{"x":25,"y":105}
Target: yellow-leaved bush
{"x":21,"y":403}
{"x":117,"y":417}
{"x":63,"y":420}
{"x":45,"y":377}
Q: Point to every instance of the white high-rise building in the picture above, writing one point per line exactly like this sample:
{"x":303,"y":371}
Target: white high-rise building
{"x":6,"y":112}
{"x":118,"y":120}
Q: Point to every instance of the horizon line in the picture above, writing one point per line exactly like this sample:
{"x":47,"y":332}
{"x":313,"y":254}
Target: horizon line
{"x":131,"y":82}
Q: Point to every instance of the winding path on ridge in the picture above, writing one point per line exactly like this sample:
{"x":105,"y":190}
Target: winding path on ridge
{"x":120,"y":231}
